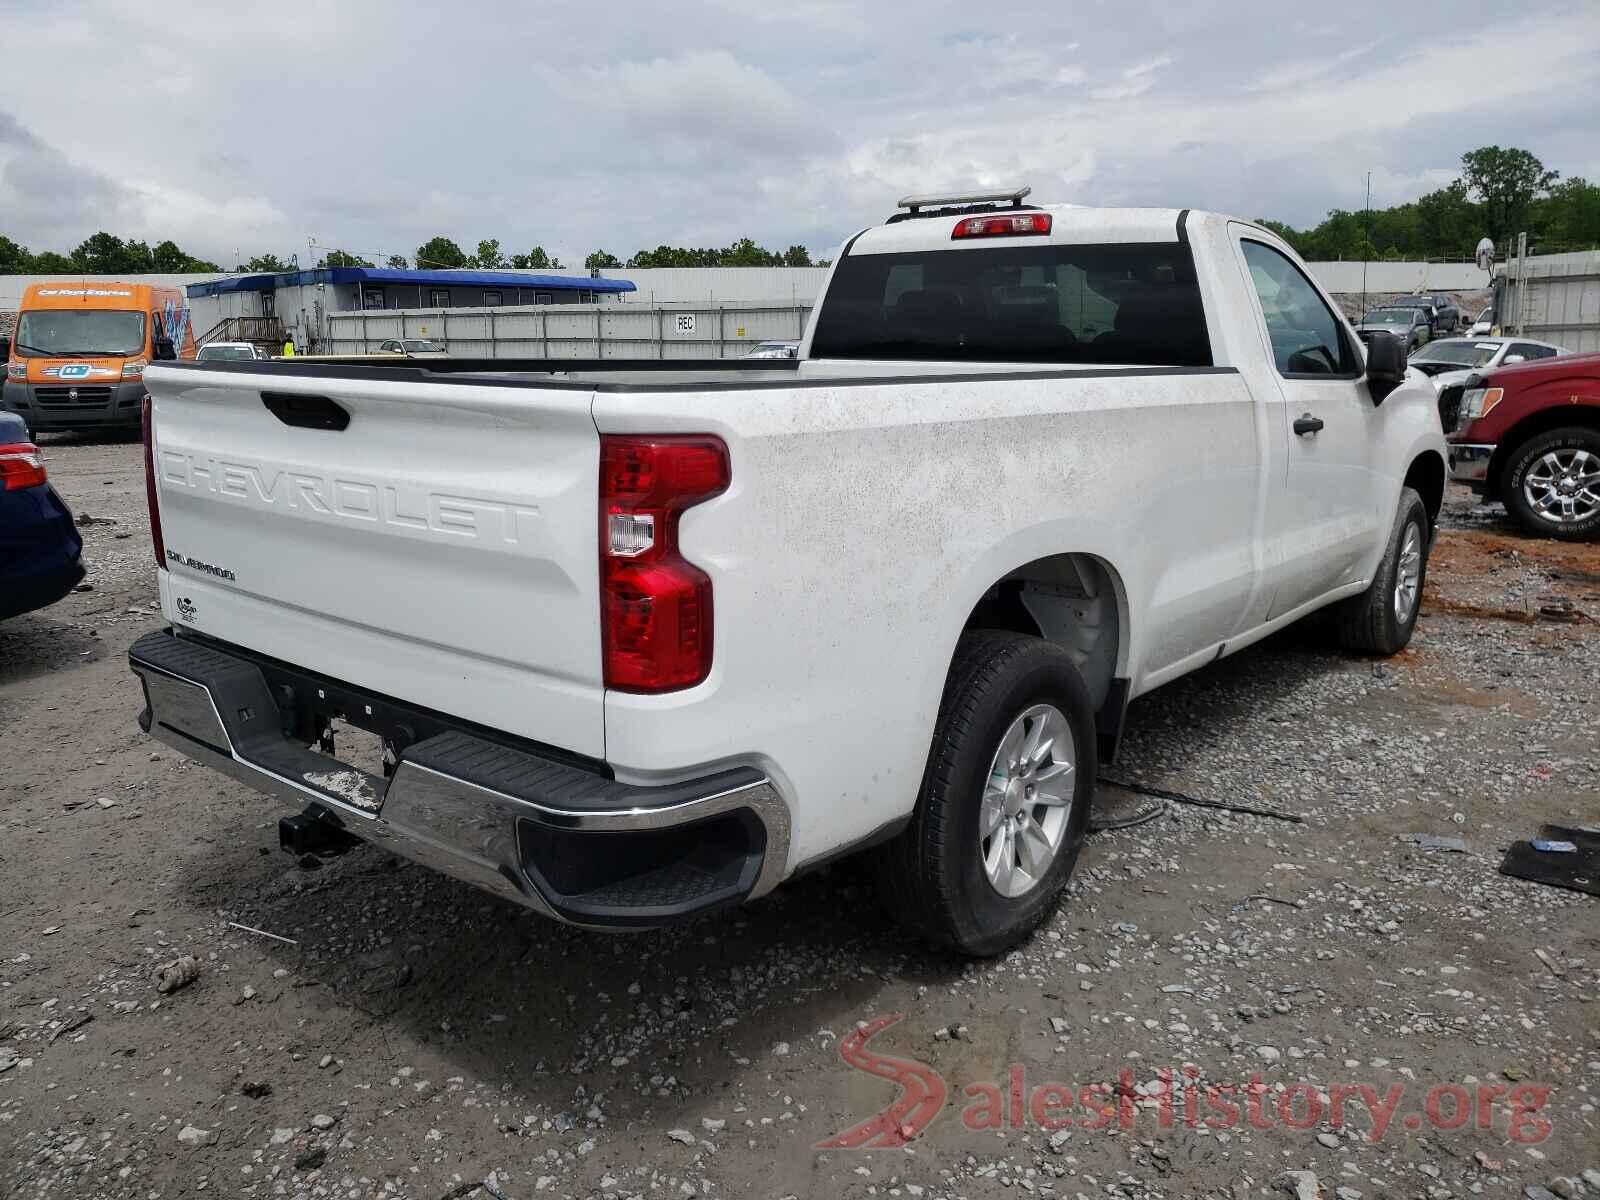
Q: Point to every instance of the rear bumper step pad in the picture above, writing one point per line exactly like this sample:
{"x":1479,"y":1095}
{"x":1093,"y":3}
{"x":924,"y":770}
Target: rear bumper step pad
{"x":557,"y":837}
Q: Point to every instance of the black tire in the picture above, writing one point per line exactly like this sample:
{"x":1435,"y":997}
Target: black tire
{"x":932,"y":877}
{"x":1368,"y":623}
{"x":1525,"y":456}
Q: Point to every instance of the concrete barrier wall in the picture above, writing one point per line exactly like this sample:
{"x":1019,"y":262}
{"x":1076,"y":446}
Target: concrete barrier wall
{"x":1400,"y":277}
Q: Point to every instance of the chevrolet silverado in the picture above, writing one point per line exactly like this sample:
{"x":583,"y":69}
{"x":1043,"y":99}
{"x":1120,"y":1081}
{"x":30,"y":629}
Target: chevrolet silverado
{"x":638,"y":640}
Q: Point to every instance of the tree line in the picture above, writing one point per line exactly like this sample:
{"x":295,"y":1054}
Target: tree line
{"x":442,"y":252}
{"x":107,"y":254}
{"x":102,"y":254}
{"x":1501,"y":192}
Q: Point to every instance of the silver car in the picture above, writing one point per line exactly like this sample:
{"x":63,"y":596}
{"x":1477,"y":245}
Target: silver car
{"x":413,"y":348}
{"x":1444,"y":360}
{"x":1408,"y":324}
{"x":228,"y":352}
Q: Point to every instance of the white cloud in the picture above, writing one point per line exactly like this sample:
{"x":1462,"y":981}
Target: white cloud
{"x":699,"y":103}
{"x":1139,"y":70}
{"x":627,"y":127}
{"x":1136,"y":80}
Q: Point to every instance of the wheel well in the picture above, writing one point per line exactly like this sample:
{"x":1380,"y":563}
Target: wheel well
{"x":1070,"y":599}
{"x":1556,"y":417}
{"x":1425,"y":476}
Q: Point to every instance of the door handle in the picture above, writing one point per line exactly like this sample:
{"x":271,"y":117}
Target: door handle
{"x":1307,"y":424}
{"x":306,"y":412}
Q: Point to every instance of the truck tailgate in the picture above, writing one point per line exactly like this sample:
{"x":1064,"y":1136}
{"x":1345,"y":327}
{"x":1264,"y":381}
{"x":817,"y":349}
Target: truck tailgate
{"x":430,"y":540}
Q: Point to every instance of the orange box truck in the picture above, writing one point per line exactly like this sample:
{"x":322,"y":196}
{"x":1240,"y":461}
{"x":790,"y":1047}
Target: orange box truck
{"x":79,"y":349}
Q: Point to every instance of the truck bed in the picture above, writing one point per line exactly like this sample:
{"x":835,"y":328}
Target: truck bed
{"x":651,"y":374}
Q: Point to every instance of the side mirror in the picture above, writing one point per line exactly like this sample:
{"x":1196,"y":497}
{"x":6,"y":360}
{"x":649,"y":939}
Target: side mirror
{"x":1386,"y":365}
{"x":163,"y":348}
{"x":5,"y":347}
{"x":1515,"y":358}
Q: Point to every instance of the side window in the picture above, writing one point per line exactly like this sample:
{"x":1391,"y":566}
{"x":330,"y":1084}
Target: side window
{"x":1305,"y":335}
{"x":1530,"y":352}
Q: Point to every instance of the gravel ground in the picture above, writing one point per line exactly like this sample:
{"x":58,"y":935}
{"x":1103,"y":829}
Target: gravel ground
{"x":415,"y":1039}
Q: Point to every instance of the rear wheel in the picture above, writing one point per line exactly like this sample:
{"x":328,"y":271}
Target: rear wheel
{"x":1381,"y":619}
{"x":1005,"y":799}
{"x":1552,"y":484}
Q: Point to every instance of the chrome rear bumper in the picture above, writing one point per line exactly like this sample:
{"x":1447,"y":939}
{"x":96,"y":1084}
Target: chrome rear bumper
{"x":556,"y":837}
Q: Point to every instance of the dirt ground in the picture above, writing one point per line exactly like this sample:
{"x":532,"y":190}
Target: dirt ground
{"x":404,"y":1036}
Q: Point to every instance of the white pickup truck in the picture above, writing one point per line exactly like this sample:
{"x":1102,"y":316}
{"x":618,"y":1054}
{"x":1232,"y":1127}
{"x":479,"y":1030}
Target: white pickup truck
{"x":644,"y":639}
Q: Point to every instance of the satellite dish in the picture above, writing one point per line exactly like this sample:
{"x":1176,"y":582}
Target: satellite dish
{"x":1484,"y":254}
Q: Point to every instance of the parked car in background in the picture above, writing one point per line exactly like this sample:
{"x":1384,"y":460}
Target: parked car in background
{"x":1444,"y":316}
{"x":1528,"y":434}
{"x":1449,"y":362}
{"x":1446,"y":358}
{"x":224,"y":351}
{"x":413,"y":348}
{"x":892,"y":595}
{"x":775,"y":350}
{"x":1409,"y":325}
{"x":1423,"y":303}
{"x":40,"y":546}
{"x":1483,"y":323}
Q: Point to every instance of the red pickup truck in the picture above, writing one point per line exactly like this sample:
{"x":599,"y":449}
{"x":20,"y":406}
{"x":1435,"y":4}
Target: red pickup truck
{"x":1529,"y":435}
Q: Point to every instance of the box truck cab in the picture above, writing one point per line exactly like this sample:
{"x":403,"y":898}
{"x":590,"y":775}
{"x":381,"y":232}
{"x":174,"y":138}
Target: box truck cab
{"x":79,"y":350}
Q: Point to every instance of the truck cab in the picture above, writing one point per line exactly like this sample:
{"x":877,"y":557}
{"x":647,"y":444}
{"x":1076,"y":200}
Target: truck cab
{"x":79,"y":350}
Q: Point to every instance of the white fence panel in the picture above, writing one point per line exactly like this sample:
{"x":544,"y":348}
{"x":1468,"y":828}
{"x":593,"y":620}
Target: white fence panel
{"x":576,"y":330}
{"x":1555,"y":299}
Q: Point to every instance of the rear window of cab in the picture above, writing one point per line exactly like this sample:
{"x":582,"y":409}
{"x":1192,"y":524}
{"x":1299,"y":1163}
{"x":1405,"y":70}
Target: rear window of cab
{"x":1130,"y":303}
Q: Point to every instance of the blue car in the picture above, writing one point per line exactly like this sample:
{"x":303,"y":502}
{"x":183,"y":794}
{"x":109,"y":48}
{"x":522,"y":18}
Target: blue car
{"x":40,"y":547}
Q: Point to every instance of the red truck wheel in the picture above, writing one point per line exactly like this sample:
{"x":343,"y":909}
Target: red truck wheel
{"x":1552,"y":484}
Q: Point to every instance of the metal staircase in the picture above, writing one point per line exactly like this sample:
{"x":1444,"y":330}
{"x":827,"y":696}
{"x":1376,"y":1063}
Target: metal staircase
{"x":265,"y":333}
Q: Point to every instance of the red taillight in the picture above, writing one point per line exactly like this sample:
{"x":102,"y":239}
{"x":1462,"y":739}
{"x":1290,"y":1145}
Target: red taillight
{"x":147,"y":423}
{"x":21,"y":466}
{"x":1008,"y":225}
{"x":655,"y":606}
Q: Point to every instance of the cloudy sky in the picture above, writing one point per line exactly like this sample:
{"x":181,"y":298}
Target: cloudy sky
{"x":373,"y":125}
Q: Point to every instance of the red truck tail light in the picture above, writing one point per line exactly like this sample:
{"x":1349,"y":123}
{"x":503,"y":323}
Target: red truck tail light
{"x":1009,"y":225}
{"x":655,"y":606}
{"x":21,"y":466}
{"x":147,"y":425}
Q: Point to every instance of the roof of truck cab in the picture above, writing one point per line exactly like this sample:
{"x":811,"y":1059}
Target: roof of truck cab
{"x":1070,"y":224}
